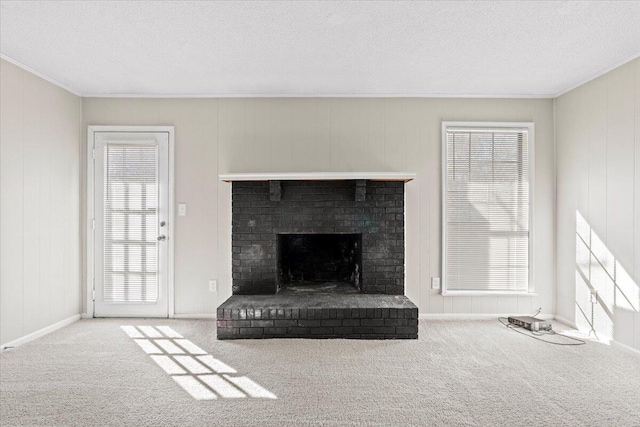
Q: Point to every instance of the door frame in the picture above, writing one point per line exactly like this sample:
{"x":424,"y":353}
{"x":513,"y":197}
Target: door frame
{"x":90,"y":217}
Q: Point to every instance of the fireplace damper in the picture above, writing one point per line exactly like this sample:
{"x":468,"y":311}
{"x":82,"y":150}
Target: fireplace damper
{"x":319,"y":262}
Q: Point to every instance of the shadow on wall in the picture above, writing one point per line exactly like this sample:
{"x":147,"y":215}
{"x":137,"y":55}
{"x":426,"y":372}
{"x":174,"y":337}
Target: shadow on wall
{"x":607,"y":298}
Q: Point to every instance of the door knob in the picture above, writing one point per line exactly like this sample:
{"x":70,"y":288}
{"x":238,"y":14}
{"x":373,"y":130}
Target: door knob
{"x":162,"y":237}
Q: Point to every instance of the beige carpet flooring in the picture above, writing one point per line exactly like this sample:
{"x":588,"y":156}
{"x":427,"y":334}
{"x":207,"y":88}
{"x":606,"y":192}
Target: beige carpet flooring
{"x":459,"y":373}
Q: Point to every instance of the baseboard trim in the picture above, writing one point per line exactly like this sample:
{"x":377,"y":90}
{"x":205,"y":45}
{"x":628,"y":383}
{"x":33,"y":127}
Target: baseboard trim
{"x":195,"y":316}
{"x":477,"y":316}
{"x":625,"y":348}
{"x":566,"y":321}
{"x":40,"y":333}
{"x":175,"y":316}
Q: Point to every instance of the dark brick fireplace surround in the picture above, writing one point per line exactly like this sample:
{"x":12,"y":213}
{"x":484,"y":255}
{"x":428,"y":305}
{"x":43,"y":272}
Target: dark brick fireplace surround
{"x":317,"y":207}
{"x":370,"y":213}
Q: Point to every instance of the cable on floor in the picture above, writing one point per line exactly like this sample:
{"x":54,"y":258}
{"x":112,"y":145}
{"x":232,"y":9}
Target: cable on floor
{"x":536,"y":336}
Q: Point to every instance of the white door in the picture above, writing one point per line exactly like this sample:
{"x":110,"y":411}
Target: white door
{"x":131,"y":208}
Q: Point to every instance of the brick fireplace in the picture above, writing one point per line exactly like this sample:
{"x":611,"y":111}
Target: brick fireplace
{"x":318,"y":259}
{"x":262,"y":223}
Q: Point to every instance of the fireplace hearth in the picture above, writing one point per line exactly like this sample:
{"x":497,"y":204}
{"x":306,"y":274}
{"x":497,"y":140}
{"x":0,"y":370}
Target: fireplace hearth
{"x":317,"y":259}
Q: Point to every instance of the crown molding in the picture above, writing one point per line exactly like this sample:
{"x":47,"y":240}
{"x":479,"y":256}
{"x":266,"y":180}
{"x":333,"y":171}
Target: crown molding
{"x":318,"y":95}
{"x":598,"y":74}
{"x":39,"y":74}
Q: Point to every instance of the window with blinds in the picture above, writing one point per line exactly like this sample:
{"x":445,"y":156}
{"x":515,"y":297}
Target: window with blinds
{"x":130,"y":223}
{"x":486,"y":209}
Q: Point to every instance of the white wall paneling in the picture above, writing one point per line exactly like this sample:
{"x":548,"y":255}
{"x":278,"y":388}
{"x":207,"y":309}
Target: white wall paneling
{"x":636,"y":209}
{"x":40,"y":126}
{"x":222,"y":136}
{"x":598,"y":146}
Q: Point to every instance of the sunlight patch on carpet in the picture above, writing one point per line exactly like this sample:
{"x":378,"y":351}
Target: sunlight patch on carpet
{"x":201,"y":375}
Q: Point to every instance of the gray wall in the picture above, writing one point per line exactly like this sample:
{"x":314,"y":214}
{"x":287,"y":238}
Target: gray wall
{"x":598,"y":149}
{"x":40,"y":137}
{"x":215,"y":136}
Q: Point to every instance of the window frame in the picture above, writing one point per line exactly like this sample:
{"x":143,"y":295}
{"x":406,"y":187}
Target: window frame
{"x":471,"y":125}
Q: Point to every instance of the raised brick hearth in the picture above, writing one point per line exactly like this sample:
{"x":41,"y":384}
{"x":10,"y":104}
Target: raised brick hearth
{"x":321,"y":316}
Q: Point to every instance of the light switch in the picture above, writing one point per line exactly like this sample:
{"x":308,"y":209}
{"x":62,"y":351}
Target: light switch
{"x":182,"y":209}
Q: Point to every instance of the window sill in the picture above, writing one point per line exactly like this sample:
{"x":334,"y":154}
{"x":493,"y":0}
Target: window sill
{"x":487,"y":293}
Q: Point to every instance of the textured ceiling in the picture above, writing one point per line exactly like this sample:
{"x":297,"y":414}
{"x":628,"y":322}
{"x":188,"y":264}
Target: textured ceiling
{"x":319,"y":48}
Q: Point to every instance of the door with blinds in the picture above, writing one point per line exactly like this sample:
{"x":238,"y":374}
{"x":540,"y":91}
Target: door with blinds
{"x":131,"y":208}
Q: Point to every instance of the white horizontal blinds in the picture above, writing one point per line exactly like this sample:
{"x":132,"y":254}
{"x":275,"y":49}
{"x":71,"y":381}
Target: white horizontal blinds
{"x":487,"y":210}
{"x":130,"y":223}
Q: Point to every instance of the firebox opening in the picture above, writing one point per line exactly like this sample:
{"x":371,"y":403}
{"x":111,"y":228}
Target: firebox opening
{"x":319,"y":263}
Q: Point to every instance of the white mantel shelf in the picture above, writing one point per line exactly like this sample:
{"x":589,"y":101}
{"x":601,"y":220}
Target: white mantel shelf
{"x":318,"y":176}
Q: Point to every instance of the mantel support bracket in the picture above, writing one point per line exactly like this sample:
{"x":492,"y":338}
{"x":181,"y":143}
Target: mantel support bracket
{"x":275,"y":191}
{"x":361,"y":190}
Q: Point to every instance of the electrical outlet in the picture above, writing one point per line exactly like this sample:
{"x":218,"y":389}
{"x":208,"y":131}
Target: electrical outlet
{"x":213,"y":286}
{"x":435,"y":283}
